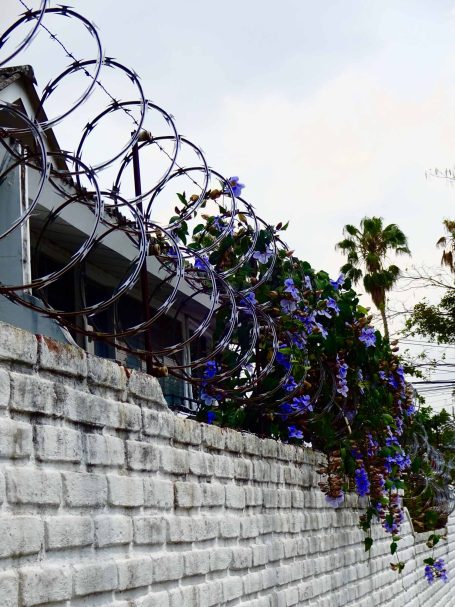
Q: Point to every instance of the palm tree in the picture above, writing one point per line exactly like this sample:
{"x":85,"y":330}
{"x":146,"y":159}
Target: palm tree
{"x":366,"y":249}
{"x":448,"y":255}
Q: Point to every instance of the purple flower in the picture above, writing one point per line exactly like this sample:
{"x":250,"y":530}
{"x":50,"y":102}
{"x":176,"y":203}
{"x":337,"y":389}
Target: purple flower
{"x":201,"y":263}
{"x":294,"y":432}
{"x":338,"y":283}
{"x":208,"y":399}
{"x":307,"y":281}
{"x":300,"y":404}
{"x":211,"y":416}
{"x":210,"y":369}
{"x":218,"y":223}
{"x":436,"y":570}
{"x":291,"y":289}
{"x":288,"y":306}
{"x":342,"y":384}
{"x":334,"y":502}
{"x":299,"y":341}
{"x":249,"y":299}
{"x":263,"y":257}
{"x":362,"y":484}
{"x":368,"y":337}
{"x":236,"y":186}
{"x":283,"y":360}
{"x":290,"y":384}
{"x":332,"y":305}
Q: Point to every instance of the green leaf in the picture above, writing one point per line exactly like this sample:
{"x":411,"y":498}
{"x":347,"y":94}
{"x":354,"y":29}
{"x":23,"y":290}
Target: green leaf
{"x":393,"y":547}
{"x":368,"y":542}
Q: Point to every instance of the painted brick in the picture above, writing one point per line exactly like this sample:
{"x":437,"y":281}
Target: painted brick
{"x":32,"y":486}
{"x":15,"y":439}
{"x":64,"y":358}
{"x":5,"y":388}
{"x":197,"y":562}
{"x":98,"y":411}
{"x":81,"y":489}
{"x":213,"y":494}
{"x":156,"y":423}
{"x":158,"y":493}
{"x":68,"y":531}
{"x":187,"y":431}
{"x":125,"y":491}
{"x":105,"y":372}
{"x":135,"y":572}
{"x":17,"y":345}
{"x":157,"y":599}
{"x":104,"y":450}
{"x":113,"y":529}
{"x":97,"y":576}
{"x":200,"y":464}
{"x":20,"y":535}
{"x":174,"y":461}
{"x":9,"y":588}
{"x":141,"y":456}
{"x":149,"y":530}
{"x":167,"y":567}
{"x":145,"y":387}
{"x":45,"y":584}
{"x":58,"y":444}
{"x":213,"y":437}
{"x":33,"y":394}
{"x":187,"y":495}
{"x":235,"y":497}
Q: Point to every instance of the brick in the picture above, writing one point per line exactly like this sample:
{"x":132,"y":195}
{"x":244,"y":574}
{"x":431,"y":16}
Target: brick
{"x":5,"y":388}
{"x":135,"y":572}
{"x":260,"y":555}
{"x":157,"y":599}
{"x":2,"y":488}
{"x":200,"y":464}
{"x":213,"y":437}
{"x":45,"y":585}
{"x":232,"y":588}
{"x":220,"y":559}
{"x":111,"y":530}
{"x":17,"y":345}
{"x":33,"y":486}
{"x":167,"y":567}
{"x":158,"y":423}
{"x":98,"y":411}
{"x":213,"y":494}
{"x":9,"y":588}
{"x":174,"y":461}
{"x":158,"y":493}
{"x":187,"y":495}
{"x":253,"y":496}
{"x":183,"y":596}
{"x":58,"y":444}
{"x":187,"y":431}
{"x":229,"y":527}
{"x":20,"y":535}
{"x":95,"y":576}
{"x":125,"y":491}
{"x":251,"y":444}
{"x":35,"y":395}
{"x":105,"y":372}
{"x":224,"y":466}
{"x":234,"y":441}
{"x":249,"y":527}
{"x":68,"y":531}
{"x":62,"y":358}
{"x":243,"y":469}
{"x":253,"y":583}
{"x":15,"y":439}
{"x":141,"y":456}
{"x":210,"y":594}
{"x":104,"y":450}
{"x":149,"y":530}
{"x":269,"y":448}
{"x":196,"y":562}
{"x":235,"y":497}
{"x":145,"y":387}
{"x":242,"y":558}
{"x":82,"y":489}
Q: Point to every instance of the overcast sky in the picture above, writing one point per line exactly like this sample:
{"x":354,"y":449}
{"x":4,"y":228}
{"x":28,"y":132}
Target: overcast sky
{"x":328,"y":110}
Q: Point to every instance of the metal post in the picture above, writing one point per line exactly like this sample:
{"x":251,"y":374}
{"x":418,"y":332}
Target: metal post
{"x":144,"y":273}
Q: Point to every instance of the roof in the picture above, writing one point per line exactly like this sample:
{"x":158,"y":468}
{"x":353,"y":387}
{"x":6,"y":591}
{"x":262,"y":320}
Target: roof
{"x":9,"y":75}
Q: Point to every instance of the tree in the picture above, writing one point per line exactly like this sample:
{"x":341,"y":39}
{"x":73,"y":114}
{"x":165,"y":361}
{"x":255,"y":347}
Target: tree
{"x":448,"y":243}
{"x":368,"y":247}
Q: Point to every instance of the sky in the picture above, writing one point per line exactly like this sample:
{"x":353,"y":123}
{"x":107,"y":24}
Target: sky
{"x":328,"y":111}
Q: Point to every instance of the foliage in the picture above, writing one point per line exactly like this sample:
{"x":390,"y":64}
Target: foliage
{"x":320,"y":375}
{"x":368,"y":247}
{"x":448,"y":244}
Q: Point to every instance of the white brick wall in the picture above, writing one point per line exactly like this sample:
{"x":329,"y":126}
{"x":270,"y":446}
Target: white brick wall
{"x":109,"y":500}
